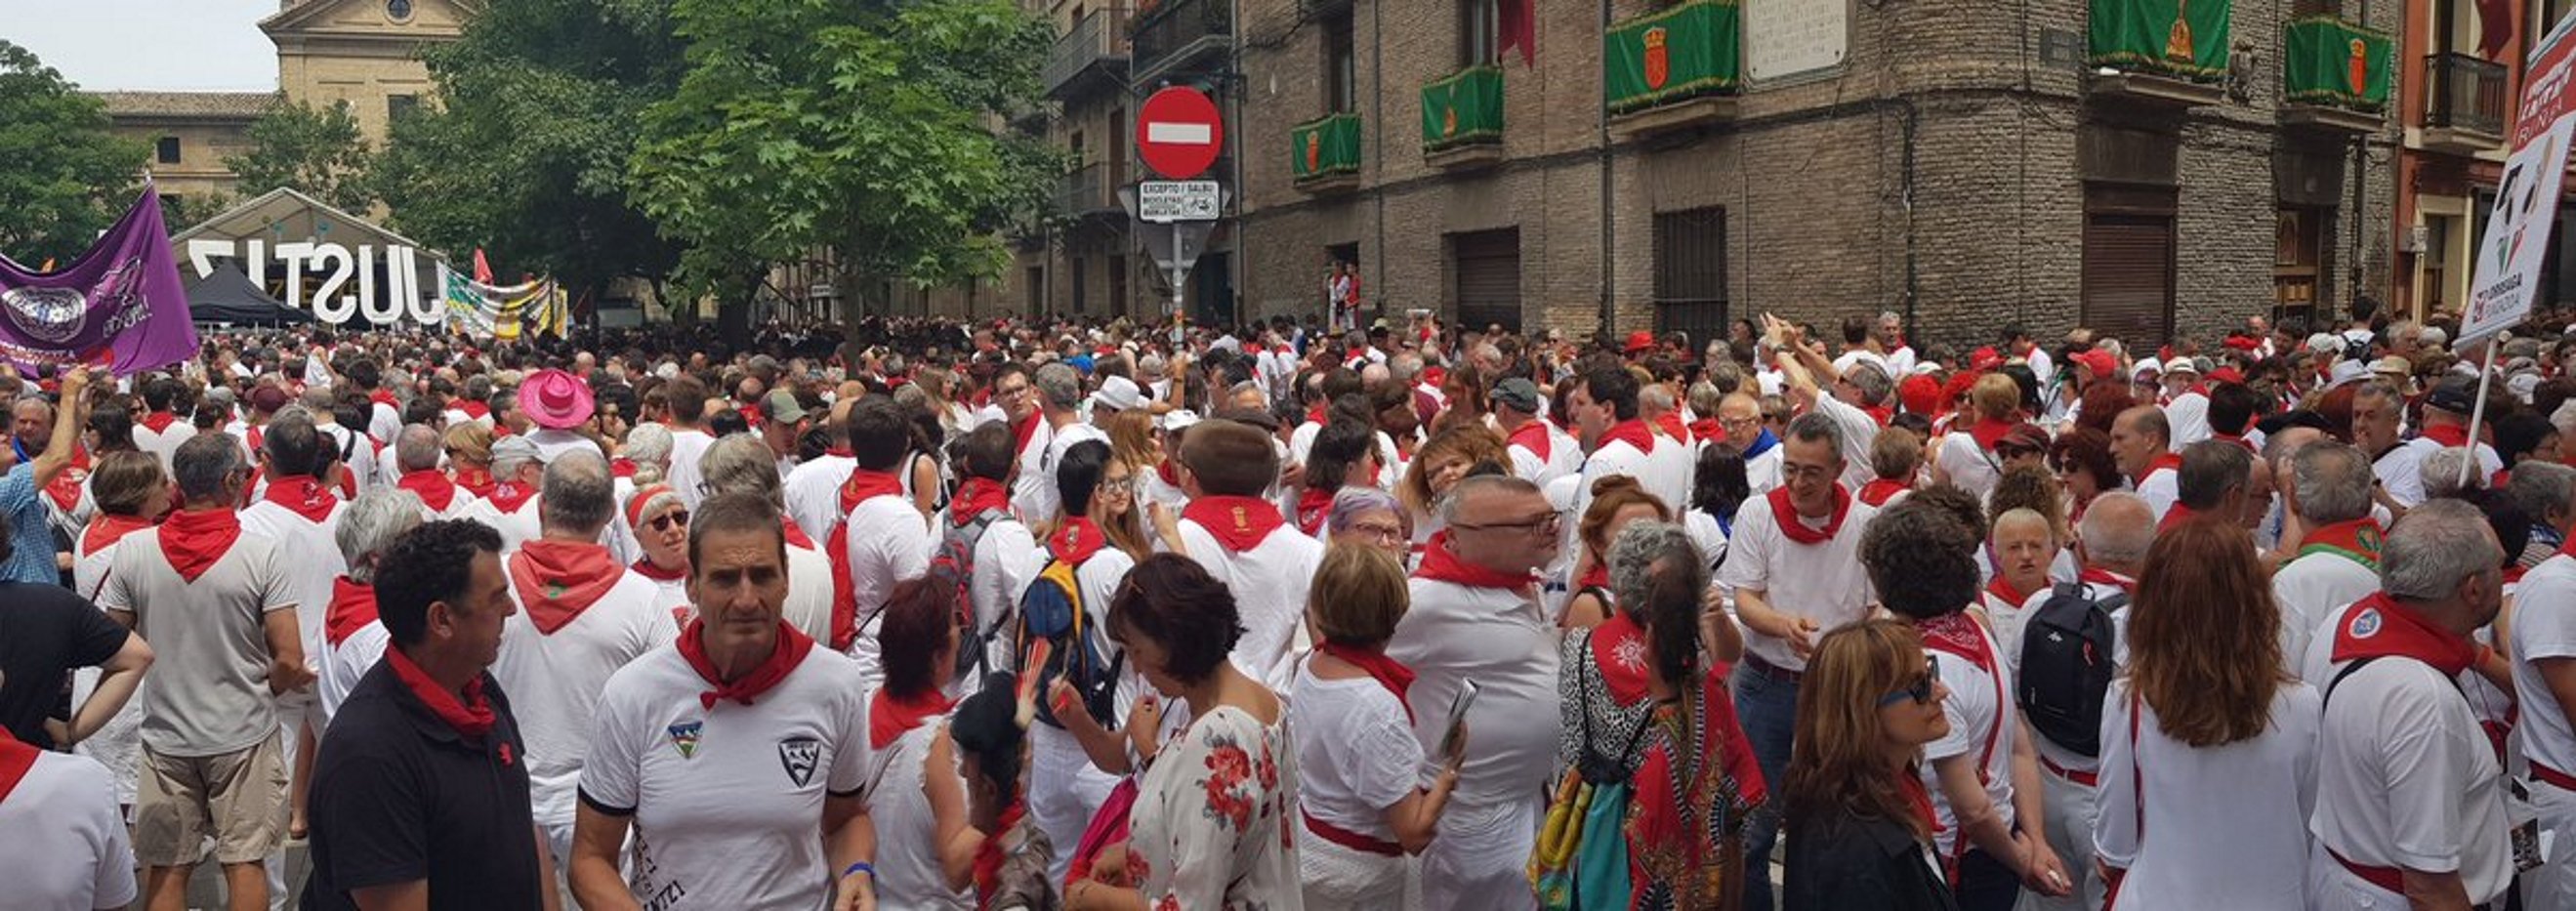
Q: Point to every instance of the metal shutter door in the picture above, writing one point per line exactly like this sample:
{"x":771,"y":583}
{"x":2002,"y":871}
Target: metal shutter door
{"x":1488,"y":265}
{"x":2128,"y":278}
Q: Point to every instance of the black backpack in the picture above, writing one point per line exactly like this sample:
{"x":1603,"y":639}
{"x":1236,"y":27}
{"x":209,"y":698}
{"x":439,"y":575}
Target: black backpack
{"x":2067,"y":652}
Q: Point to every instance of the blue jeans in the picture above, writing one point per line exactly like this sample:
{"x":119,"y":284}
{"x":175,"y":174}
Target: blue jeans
{"x":1768,"y":709}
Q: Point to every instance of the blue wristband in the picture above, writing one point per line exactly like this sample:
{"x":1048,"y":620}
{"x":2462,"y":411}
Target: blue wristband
{"x":861,"y":867}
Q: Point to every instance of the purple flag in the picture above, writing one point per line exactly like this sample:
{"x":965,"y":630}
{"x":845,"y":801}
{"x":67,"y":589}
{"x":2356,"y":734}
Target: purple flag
{"x":119,"y":305}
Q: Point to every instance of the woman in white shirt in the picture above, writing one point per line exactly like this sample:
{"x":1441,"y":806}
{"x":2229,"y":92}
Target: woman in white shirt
{"x":661,"y":524}
{"x":131,"y":491}
{"x":1969,"y":459}
{"x":1361,"y":812}
{"x":925,"y":851}
{"x":2209,"y":750}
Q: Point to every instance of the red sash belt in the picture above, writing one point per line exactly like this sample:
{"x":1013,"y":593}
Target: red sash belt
{"x":2078,"y":776}
{"x":2564,"y":781}
{"x":1346,"y":838}
{"x":2389,"y":878}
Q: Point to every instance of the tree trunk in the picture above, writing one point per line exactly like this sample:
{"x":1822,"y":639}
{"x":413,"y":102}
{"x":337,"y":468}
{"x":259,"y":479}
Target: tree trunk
{"x":849,"y":284}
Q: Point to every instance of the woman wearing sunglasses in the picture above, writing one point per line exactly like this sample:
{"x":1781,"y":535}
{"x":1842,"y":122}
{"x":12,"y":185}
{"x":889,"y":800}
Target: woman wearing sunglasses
{"x":1858,"y":819}
{"x":661,"y":524}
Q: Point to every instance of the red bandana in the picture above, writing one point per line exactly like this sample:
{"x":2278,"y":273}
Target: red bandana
{"x":305,"y":496}
{"x":988,"y":856}
{"x":509,"y":496}
{"x":1670,"y":423}
{"x":1314,"y":505}
{"x":1075,"y":540}
{"x":794,"y":534}
{"x":353,"y":606}
{"x":159,"y":421}
{"x":976,"y":497}
{"x":2164,"y":461}
{"x":1633,"y":433}
{"x":474,"y":410}
{"x":2358,"y":540}
{"x":890,"y":717}
{"x":108,"y":529}
{"x":654,"y":571}
{"x":557,"y":580}
{"x":1958,"y":634}
{"x":195,"y":539}
{"x":1315,"y":415}
{"x":2175,"y":516}
{"x":865,"y":485}
{"x":2451,"y":436}
{"x":1988,"y":432}
{"x":621,"y":467}
{"x":15,"y":759}
{"x":1620,"y":651}
{"x":1023,"y":432}
{"x":1596,"y":577}
{"x":1440,"y":564}
{"x":1238,"y":523}
{"x":74,"y":478}
{"x":476,"y":481}
{"x":2004,"y":591}
{"x":788,"y":652}
{"x":434,"y":488}
{"x":1877,"y":492}
{"x":1881,"y":413}
{"x":1785,"y":515}
{"x":2092,"y":576}
{"x":1707,"y":429}
{"x":2377,"y":626}
{"x":1388,"y":672}
{"x":472,"y":716}
{"x":382,"y":397}
{"x":1534,"y":437}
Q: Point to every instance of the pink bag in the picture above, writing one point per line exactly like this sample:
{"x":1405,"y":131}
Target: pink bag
{"x":1108,"y":827}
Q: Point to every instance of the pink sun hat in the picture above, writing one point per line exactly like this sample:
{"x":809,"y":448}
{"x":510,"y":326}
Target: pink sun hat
{"x":553,"y":398}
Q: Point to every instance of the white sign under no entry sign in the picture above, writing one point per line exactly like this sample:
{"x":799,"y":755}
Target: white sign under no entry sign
{"x":1177,"y":200}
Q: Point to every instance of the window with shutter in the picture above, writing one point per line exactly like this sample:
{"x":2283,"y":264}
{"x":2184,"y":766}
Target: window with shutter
{"x":1485,"y":276}
{"x":2129,"y":277}
{"x":1690,"y":273}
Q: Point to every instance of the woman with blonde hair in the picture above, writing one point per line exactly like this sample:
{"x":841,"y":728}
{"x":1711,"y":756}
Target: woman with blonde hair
{"x":1616,"y":501}
{"x":2209,"y":750}
{"x":469,"y":457}
{"x":1361,"y":811}
{"x":1857,"y":816}
{"x":1438,"y":465}
{"x":1969,"y":459}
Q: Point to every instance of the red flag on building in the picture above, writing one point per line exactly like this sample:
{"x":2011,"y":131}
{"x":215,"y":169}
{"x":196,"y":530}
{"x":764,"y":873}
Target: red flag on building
{"x":1520,"y":29}
{"x":482,"y":268}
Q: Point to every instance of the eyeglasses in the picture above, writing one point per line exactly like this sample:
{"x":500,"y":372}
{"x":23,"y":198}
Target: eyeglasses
{"x":1119,"y":485}
{"x":1546,"y":524}
{"x":1382,"y":533}
{"x":1920,"y":690}
{"x":1734,"y":423}
{"x":663,"y":522}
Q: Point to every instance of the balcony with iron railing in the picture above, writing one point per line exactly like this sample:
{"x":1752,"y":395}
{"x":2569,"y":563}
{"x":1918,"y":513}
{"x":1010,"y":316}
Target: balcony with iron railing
{"x":2464,"y":104}
{"x":1096,"y":46}
{"x":2336,"y":75}
{"x":1090,"y":191}
{"x":1462,"y":118}
{"x":1171,"y":34}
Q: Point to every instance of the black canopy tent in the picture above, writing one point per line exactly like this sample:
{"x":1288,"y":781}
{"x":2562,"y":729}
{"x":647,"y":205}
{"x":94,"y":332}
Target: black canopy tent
{"x":225,"y":295}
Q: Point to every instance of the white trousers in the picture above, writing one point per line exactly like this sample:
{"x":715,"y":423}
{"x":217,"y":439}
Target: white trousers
{"x":2070,"y":809}
{"x":1064,"y":791}
{"x":1480,"y":862}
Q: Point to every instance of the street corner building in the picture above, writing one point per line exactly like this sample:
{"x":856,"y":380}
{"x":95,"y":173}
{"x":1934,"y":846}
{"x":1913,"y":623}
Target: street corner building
{"x":1674,"y":166}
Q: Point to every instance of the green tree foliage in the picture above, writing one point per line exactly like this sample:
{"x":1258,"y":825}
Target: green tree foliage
{"x":525,"y":153}
{"x":867,"y":128}
{"x":316,"y":150}
{"x":63,"y":176}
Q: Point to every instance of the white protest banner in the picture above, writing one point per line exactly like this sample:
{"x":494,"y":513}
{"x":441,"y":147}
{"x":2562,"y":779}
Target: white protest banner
{"x":2526,"y":204}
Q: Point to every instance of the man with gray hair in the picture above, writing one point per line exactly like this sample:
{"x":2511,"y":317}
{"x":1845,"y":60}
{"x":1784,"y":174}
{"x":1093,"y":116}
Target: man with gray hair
{"x":2446,"y":472}
{"x":416,"y":454}
{"x":1059,"y":393}
{"x":352,"y":637}
{"x":740,"y":464}
{"x":2546,"y":491}
{"x":2214,"y":482}
{"x":215,"y":604}
{"x":512,"y":509}
{"x":581,"y":616}
{"x":2410,"y":794}
{"x":2337,"y":561}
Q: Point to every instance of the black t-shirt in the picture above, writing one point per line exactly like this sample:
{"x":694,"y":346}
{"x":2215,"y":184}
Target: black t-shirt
{"x":399,"y":795}
{"x":45,"y":632}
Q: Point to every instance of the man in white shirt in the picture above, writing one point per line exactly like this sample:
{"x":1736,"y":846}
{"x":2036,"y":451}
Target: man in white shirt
{"x":1606,"y":411}
{"x":1059,"y":394}
{"x":887,"y":539}
{"x":2141,"y":445}
{"x":2337,"y":561}
{"x":581,"y":616}
{"x":1857,"y":403}
{"x":1740,"y":416}
{"x":2111,"y":545}
{"x":2446,"y":418}
{"x":1243,"y":541}
{"x":689,"y":437}
{"x":1791,"y":563}
{"x":1005,"y":558}
{"x":519,"y":476}
{"x":1540,"y":452}
{"x":2410,"y":803}
{"x":738,"y":757}
{"x":2018,"y":341}
{"x":2378,"y":420}
{"x":1475,"y":617}
{"x":2544,"y":674}
{"x":813,"y":488}
{"x":160,"y":429}
{"x":69,"y":849}
{"x":417,"y":454}
{"x":2187,"y":404}
{"x":352,"y":636}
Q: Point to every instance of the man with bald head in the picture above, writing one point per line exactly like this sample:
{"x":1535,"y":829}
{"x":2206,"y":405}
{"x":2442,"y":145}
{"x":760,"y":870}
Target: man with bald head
{"x":2139,"y":440}
{"x":1740,"y":416}
{"x":416,"y":456}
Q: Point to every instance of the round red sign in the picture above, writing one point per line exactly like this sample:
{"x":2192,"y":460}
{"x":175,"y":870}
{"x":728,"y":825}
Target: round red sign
{"x":1179,"y":132}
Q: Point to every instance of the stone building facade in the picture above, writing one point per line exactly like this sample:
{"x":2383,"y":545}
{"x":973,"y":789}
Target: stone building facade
{"x":1967,"y":164}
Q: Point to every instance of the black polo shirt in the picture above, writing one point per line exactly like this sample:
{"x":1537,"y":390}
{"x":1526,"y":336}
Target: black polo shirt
{"x":399,"y":795}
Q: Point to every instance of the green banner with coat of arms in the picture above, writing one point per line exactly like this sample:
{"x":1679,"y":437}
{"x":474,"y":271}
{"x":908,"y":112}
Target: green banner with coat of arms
{"x":1463,"y":109}
{"x":1325,"y":148}
{"x":1684,"y":52}
{"x":2333,"y":62}
{"x":2186,"y":39}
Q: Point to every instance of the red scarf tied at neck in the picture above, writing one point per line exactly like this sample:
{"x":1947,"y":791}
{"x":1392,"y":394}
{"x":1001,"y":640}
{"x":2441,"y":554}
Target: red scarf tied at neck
{"x":110,"y":528}
{"x":2451,"y":436}
{"x":1988,"y":431}
{"x":158,"y":421}
{"x":784,"y":656}
{"x":2378,"y":626}
{"x":1388,"y":672}
{"x":1238,"y":523}
{"x":557,"y":580}
{"x":1441,"y":564}
{"x":2164,"y":461}
{"x":2358,"y":540}
{"x":472,"y":716}
{"x":654,"y":571}
{"x":1877,"y":492}
{"x":1633,"y":433}
{"x":433,"y":487}
{"x":305,"y":496}
{"x":196,"y":539}
{"x":890,"y":716}
{"x":353,"y":606}
{"x":976,"y":497}
{"x":863,"y":485}
{"x":510,"y":496}
{"x":1075,"y":540}
{"x":1784,"y":513}
{"x":1314,"y":505}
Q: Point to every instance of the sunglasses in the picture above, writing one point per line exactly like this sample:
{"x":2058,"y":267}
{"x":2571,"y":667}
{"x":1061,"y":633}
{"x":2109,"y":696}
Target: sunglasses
{"x":663,"y":522}
{"x":1920,"y":690}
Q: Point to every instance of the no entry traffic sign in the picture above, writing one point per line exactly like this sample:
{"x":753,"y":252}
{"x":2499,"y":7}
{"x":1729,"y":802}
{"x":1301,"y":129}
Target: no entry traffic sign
{"x":1179,"y":133}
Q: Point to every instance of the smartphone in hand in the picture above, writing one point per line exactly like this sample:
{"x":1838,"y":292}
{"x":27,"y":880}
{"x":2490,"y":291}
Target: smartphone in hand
{"x":1452,"y":740}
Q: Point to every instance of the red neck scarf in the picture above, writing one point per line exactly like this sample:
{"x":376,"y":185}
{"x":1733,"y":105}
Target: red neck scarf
{"x":1314,"y":505}
{"x":508,"y":496}
{"x":1075,"y":540}
{"x":1633,"y":433}
{"x":74,"y":478}
{"x":2175,"y":515}
{"x":1707,"y":429}
{"x":1670,"y":423}
{"x":2378,"y":626}
{"x":195,"y":539}
{"x":2451,"y":436}
{"x":110,"y":528}
{"x":159,"y":421}
{"x":15,"y":759}
{"x":621,"y":467}
{"x":1620,"y":651}
{"x":988,"y":856}
{"x":793,"y":533}
{"x":862,"y":486}
{"x":2358,"y":540}
{"x":473,"y":409}
{"x":788,"y":652}
{"x":867,"y":484}
{"x":353,"y":606}
{"x":1533,"y":436}
{"x":1877,"y":492}
{"x":889,"y":716}
{"x":976,"y":497}
{"x":435,"y":489}
{"x":1238,"y":523}
{"x":1596,"y":577}
{"x":1988,"y":432}
{"x":557,"y":580}
{"x":2092,"y":576}
{"x":1881,"y":413}
{"x":1957,"y":633}
{"x":1169,"y":472}
{"x":1023,"y":431}
{"x":1388,"y":672}
{"x":1784,"y":513}
{"x":381,"y":397}
{"x":2004,"y":591}
{"x":472,"y":716}
{"x":1440,"y":564}
{"x":305,"y":496}
{"x":476,"y":481}
{"x":1315,"y":415}
{"x":654,"y":571}
{"x":2164,"y":461}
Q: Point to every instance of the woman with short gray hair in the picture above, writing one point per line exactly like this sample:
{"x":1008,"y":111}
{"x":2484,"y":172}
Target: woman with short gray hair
{"x":352,"y":639}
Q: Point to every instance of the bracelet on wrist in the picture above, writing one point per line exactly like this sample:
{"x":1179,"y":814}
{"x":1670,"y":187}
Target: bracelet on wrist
{"x":860,"y":867}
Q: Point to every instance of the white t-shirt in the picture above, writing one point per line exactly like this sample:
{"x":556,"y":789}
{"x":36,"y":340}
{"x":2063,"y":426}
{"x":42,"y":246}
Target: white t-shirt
{"x":2227,"y":825}
{"x":554,"y":680}
{"x":2049,"y":752}
{"x":2162,"y":489}
{"x":813,"y":493}
{"x":71,"y":851}
{"x":1672,"y":465}
{"x":2188,"y":417}
{"x":688,"y":447}
{"x":1042,"y":498}
{"x":727,"y":802}
{"x":909,"y":872}
{"x":1033,"y":493}
{"x":809,"y":591}
{"x":1355,"y":749}
{"x":345,"y":663}
{"x":1820,"y":581}
{"x":309,"y":557}
{"x":2545,"y":629}
{"x":1969,"y":466}
{"x":2405,"y":778}
{"x":208,"y":692}
{"x":1859,"y":431}
{"x":1979,"y":706}
{"x":1269,"y":582}
{"x":1498,"y":638}
{"x":889,"y":541}
{"x":2402,"y":469}
{"x":1006,"y":558}
{"x":1762,"y":472}
{"x":516,"y":527}
{"x":2311,"y":587}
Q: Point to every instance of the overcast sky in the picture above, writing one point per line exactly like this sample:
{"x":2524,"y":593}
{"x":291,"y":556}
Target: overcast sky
{"x":148,"y":44}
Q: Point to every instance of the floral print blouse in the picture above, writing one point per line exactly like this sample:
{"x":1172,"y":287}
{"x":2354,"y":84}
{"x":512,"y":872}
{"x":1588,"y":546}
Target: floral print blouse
{"x":1213,"y":823}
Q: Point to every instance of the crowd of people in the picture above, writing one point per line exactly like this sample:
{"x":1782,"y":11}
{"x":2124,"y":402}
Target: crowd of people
{"x":1048,"y":614}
